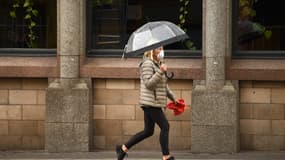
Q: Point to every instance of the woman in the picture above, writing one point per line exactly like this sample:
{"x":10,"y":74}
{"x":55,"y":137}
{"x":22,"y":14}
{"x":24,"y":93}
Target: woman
{"x":153,"y":98}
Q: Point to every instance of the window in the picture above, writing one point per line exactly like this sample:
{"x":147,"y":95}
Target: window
{"x":111,"y":22}
{"x":28,"y":26}
{"x":259,"y":28}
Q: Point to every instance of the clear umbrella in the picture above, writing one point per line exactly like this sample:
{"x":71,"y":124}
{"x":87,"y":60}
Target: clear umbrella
{"x":153,"y":35}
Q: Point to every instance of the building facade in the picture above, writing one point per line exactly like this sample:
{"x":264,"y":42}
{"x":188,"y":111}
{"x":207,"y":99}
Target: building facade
{"x":72,"y":101}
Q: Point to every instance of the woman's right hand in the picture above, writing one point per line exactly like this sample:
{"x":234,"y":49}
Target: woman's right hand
{"x":163,"y":67}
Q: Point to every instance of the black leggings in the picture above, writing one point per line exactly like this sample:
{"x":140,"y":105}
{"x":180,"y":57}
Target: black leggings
{"x":152,"y":115}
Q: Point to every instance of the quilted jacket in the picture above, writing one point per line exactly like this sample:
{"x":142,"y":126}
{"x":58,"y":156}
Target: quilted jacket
{"x":154,"y":90}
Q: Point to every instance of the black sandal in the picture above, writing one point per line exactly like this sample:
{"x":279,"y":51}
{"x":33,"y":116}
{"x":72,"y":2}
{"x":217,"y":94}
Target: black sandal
{"x":120,"y":153}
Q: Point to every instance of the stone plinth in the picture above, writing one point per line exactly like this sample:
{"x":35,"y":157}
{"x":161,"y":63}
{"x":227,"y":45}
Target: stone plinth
{"x":215,"y":120}
{"x":68,"y":115}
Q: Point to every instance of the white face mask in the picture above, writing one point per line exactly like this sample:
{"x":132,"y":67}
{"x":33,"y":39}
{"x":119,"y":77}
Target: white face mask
{"x":160,"y":55}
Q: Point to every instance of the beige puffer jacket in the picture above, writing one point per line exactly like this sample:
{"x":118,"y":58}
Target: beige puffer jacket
{"x":153,"y":85}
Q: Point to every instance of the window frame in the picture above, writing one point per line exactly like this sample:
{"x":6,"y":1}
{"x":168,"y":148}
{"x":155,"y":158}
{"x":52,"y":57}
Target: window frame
{"x":117,"y":53}
{"x":250,"y":54}
{"x":28,"y":52}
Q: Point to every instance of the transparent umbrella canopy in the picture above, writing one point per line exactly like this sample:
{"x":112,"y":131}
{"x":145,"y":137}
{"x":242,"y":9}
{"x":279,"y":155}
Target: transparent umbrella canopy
{"x":153,"y":35}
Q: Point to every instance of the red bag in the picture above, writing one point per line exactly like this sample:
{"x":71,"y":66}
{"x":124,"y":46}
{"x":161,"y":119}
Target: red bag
{"x":178,"y":107}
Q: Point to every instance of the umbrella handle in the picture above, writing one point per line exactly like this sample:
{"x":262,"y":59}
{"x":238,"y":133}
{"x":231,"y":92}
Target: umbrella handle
{"x":169,"y":76}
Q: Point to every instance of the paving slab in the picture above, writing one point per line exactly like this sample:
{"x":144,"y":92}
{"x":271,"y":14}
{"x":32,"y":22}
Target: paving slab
{"x":139,"y":155}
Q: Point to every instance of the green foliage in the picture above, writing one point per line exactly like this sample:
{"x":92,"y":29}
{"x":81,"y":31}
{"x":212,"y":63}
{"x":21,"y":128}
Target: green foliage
{"x":30,"y":14}
{"x":101,"y":2}
{"x":183,"y":18}
{"x":246,"y":12}
{"x":267,"y":34}
{"x":183,"y":12}
{"x":189,"y":44}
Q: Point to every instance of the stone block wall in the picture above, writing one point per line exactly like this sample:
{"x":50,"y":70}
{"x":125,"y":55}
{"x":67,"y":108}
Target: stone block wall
{"x":262,"y":115}
{"x":117,"y":115}
{"x":22,"y":113}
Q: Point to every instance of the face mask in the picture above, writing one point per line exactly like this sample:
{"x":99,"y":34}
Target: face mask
{"x":160,"y":55}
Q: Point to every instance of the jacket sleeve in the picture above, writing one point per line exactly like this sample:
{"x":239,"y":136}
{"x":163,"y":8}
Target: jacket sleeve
{"x":150,"y":77}
{"x":170,"y":94}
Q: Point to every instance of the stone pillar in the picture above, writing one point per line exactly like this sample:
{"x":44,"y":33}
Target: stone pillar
{"x":215,"y":100}
{"x":68,"y":105}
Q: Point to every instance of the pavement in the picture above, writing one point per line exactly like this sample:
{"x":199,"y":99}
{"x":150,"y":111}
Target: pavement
{"x":139,"y":155}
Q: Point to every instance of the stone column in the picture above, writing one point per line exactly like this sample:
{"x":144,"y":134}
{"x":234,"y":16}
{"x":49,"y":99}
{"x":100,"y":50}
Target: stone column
{"x":215,"y":100}
{"x":68,"y":105}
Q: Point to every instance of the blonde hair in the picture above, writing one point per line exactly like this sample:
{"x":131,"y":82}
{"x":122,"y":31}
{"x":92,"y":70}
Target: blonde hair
{"x":148,"y":54}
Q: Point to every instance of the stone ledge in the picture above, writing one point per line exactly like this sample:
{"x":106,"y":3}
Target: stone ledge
{"x":255,"y":69}
{"x":117,"y":68}
{"x":28,"y":66}
{"x":237,"y":69}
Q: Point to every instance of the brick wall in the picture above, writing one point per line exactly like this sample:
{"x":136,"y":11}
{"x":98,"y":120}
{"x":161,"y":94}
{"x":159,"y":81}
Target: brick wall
{"x":262,"y":115}
{"x":117,"y":115}
{"x":22,"y":113}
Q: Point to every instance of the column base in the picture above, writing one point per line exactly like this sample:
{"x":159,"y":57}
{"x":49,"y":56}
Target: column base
{"x":215,"y":120}
{"x":68,"y":116}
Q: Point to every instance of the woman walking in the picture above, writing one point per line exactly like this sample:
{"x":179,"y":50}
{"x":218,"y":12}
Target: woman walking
{"x":154,"y":92}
